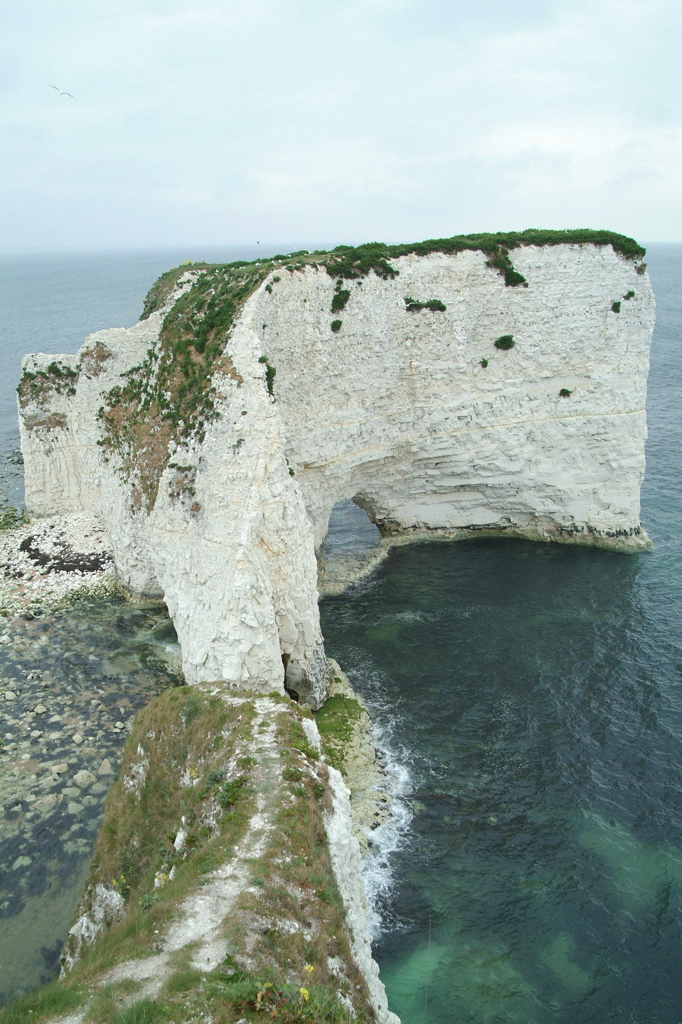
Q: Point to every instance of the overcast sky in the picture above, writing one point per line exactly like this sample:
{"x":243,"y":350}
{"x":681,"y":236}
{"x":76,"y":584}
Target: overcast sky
{"x":325,"y":121}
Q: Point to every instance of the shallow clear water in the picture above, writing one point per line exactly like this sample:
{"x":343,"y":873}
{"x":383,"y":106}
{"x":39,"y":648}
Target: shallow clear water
{"x":91,"y":668}
{"x":535,"y":693}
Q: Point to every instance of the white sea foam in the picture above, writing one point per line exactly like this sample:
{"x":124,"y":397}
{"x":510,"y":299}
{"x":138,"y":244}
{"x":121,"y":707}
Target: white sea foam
{"x":395,"y":833}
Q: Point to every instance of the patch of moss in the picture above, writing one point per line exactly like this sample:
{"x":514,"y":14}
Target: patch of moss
{"x":505,"y":342}
{"x":337,"y":720}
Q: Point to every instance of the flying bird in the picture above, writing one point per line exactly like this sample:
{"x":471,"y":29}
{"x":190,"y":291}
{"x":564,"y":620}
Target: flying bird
{"x":61,"y":91}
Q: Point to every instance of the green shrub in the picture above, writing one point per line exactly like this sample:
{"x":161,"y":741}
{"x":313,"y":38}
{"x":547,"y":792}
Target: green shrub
{"x":484,"y":363}
{"x":615,"y":307}
{"x":501,"y":261}
{"x":340,"y":299}
{"x":629,"y":295}
{"x":149,"y":899}
{"x":230,"y":792}
{"x":336,"y":325}
{"x":270,"y":373}
{"x":506,"y":341}
{"x":435,"y":305}
{"x":565,"y":393}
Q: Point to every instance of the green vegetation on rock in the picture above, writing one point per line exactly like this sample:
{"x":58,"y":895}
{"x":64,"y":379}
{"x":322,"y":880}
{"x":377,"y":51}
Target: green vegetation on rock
{"x":270,"y":374}
{"x":159,"y":292}
{"x":56,"y":378}
{"x":350,"y":262}
{"x":170,"y":397}
{"x":337,"y":721}
{"x":434,"y":305}
{"x":339,"y":300}
{"x":505,"y":342}
{"x":11,"y":517}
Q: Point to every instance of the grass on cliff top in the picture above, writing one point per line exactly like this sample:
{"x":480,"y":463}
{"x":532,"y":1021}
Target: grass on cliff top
{"x":348,"y":262}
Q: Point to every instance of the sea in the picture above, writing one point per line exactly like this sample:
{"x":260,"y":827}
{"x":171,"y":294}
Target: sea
{"x":526,"y":697}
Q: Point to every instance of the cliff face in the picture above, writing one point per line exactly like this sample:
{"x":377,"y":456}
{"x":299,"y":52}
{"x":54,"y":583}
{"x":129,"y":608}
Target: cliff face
{"x":389,"y":388}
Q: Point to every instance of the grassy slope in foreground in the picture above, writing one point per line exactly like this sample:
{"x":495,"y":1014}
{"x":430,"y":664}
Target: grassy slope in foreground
{"x":189,"y":764}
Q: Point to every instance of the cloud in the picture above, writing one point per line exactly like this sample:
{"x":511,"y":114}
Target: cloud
{"x":386,"y":118}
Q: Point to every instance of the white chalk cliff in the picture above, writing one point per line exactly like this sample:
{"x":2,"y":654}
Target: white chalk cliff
{"x":395,"y":409}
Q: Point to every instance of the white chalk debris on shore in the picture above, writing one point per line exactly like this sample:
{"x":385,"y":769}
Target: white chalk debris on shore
{"x":49,"y":559}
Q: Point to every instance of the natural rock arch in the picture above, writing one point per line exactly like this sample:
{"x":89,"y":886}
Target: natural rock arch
{"x":407,"y":407}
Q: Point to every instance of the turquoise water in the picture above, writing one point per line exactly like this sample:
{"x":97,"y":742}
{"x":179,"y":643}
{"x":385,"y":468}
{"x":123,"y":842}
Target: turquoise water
{"x":535,"y":694}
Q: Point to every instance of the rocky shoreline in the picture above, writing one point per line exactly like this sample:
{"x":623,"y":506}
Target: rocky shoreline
{"x":47,"y":561}
{"x":76,"y":664}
